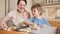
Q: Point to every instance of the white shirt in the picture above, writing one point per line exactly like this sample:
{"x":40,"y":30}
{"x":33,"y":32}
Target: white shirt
{"x":16,"y":18}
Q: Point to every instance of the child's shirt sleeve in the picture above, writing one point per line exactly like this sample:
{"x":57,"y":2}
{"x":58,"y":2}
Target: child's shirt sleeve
{"x":46,"y":22}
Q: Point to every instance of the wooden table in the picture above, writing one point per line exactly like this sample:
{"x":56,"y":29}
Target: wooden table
{"x":12,"y":32}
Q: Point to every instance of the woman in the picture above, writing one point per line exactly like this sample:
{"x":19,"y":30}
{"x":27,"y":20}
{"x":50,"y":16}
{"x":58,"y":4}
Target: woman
{"x":17,"y":16}
{"x":37,"y":16}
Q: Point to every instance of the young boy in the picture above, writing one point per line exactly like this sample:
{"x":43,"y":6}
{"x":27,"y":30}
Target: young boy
{"x":37,"y":16}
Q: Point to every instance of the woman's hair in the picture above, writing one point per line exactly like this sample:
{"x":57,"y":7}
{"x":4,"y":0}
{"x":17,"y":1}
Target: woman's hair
{"x":22,"y":0}
{"x":38,"y":7}
{"x":28,"y":14}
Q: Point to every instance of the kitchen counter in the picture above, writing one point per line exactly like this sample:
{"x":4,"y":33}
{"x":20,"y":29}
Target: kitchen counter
{"x":53,"y":19}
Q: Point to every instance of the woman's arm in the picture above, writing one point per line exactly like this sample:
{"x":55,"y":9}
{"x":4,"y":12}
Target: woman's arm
{"x":5,"y":19}
{"x":3,"y":22}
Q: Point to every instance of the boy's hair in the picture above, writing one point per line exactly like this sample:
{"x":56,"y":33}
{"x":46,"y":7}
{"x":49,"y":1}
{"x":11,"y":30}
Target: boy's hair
{"x":35,"y":6}
{"x":38,"y":7}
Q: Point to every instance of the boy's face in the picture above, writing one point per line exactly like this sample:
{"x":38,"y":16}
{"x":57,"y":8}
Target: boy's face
{"x":35,"y":12}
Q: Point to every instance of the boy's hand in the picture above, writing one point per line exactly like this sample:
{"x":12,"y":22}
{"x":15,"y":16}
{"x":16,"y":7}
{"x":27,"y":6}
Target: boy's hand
{"x":44,"y":26}
{"x":35,"y":27}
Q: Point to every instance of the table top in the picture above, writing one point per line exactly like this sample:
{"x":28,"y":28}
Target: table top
{"x":12,"y":32}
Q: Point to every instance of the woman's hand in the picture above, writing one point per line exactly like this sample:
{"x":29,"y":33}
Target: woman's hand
{"x":3,"y":26}
{"x":3,"y":22}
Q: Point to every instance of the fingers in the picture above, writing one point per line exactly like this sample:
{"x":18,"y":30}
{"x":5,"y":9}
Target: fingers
{"x":1,"y":26}
{"x":4,"y":26}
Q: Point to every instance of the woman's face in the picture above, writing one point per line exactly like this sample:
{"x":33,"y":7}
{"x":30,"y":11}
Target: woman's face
{"x":35,"y":12}
{"x":21,"y":6}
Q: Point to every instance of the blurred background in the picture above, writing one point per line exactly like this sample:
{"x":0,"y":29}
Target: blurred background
{"x":51,"y":8}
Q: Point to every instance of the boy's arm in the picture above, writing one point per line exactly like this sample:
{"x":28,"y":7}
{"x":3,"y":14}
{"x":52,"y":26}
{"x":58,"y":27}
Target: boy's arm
{"x":34,"y":26}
